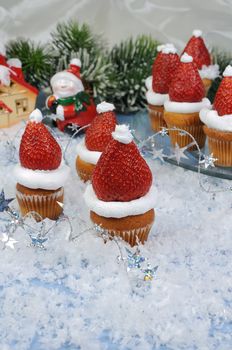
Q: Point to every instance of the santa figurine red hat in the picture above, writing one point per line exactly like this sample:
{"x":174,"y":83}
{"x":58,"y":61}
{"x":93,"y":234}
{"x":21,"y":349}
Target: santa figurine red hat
{"x":69,"y":102}
{"x":15,"y":66}
{"x":2,"y":55}
{"x":68,"y":81}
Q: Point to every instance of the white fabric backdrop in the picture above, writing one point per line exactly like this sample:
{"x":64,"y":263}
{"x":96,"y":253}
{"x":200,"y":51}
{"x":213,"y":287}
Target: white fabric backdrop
{"x":166,"y":20}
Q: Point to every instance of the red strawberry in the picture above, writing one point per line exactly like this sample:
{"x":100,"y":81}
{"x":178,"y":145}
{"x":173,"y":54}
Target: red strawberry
{"x":223,"y":98}
{"x":99,"y":134}
{"x":186,"y":85}
{"x":121,"y":173}
{"x":197,"y":49}
{"x":38,"y":149}
{"x":163,"y":70}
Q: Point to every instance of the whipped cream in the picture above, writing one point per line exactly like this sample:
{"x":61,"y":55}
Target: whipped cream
{"x":228,"y":71}
{"x":169,"y":48}
{"x":186,"y":107}
{"x":185,"y":58}
{"x":85,"y":154}
{"x":197,"y":33}
{"x":156,"y":99}
{"x":36,"y":116}
{"x":160,"y":47}
{"x":209,"y":72}
{"x":44,"y":179}
{"x":120,"y":209}
{"x":213,"y":120}
{"x":122,"y":134}
{"x":105,"y":107}
{"x":148,"y":83}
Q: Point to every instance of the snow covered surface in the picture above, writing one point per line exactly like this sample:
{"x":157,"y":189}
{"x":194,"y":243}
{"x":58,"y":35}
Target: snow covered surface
{"x":75,"y":295}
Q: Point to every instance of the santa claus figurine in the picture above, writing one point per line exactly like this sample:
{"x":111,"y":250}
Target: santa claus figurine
{"x":69,"y":102}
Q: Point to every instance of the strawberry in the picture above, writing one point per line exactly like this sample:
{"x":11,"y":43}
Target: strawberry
{"x":38,"y":149}
{"x":99,"y":134}
{"x":223,"y":98}
{"x":186,"y":85}
{"x":121,"y":173}
{"x":163,"y":70}
{"x":197,"y":49}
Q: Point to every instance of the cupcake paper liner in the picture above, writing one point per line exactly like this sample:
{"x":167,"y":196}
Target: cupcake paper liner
{"x":207,"y":85}
{"x":156,"y":117}
{"x":84,"y":169}
{"x":45,"y":205}
{"x":220,"y":144}
{"x":133,"y":236}
{"x":189,"y":122}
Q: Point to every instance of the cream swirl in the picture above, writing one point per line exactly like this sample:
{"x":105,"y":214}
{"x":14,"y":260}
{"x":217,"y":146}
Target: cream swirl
{"x":44,"y":179}
{"x":209,"y":72}
{"x":211,"y":118}
{"x":85,"y":154}
{"x":186,"y":107}
{"x":120,"y":209}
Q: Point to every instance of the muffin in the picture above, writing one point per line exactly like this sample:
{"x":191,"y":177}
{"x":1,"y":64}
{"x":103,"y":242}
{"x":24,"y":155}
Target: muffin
{"x":40,"y":176}
{"x":218,"y":122}
{"x":201,"y":56}
{"x":121,"y":197}
{"x":163,"y":69}
{"x":97,"y":137}
{"x":186,"y":99}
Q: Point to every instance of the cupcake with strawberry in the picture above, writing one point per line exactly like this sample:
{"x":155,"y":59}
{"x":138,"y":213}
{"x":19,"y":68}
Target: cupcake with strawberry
{"x":97,"y":137}
{"x":163,"y":69}
{"x":41,"y":175}
{"x":121,"y":197}
{"x":201,"y":56}
{"x":218,"y":122}
{"x":186,"y":99}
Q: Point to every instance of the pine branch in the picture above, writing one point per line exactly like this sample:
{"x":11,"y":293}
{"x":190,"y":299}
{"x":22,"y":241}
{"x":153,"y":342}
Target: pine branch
{"x":133,"y":61}
{"x":37,"y":60}
{"x":71,"y":36}
{"x":222,"y":59}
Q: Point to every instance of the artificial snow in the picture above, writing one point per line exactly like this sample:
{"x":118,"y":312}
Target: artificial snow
{"x":75,"y":295}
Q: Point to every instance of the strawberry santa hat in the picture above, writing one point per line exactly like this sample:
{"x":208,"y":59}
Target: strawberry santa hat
{"x":198,"y":50}
{"x":170,"y":51}
{"x":186,"y":85}
{"x":223,"y":98}
{"x":38,"y":149}
{"x":71,"y":74}
{"x":121,"y":173}
{"x":164,"y":68}
{"x":99,"y":133}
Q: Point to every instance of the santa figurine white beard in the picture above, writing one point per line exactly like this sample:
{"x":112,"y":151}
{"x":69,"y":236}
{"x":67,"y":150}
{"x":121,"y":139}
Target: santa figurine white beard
{"x":69,"y":102}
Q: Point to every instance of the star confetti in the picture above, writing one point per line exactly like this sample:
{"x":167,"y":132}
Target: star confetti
{"x":149,"y":272}
{"x":4,"y":203}
{"x":163,"y":132}
{"x":158,"y":154}
{"x":74,"y":127}
{"x":208,"y":161}
{"x":102,"y":232}
{"x":7,"y":241}
{"x":134,"y":260}
{"x":179,"y":152}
